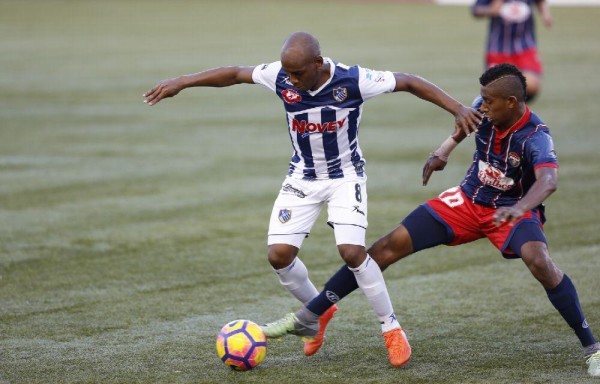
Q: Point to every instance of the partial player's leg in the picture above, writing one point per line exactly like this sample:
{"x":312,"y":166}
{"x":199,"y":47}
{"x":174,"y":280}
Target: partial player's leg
{"x":291,"y":271}
{"x":293,"y":275}
{"x":423,"y":230}
{"x":294,"y":212}
{"x":370,"y":280}
{"x":348,"y":216}
{"x":534,"y":85}
{"x":530,"y":64}
{"x":559,"y":288}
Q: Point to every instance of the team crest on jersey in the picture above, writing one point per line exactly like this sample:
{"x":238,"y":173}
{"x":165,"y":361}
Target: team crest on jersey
{"x":290,"y":96}
{"x":514,"y":160}
{"x":492,"y":176}
{"x":285,"y":215}
{"x":340,"y":94}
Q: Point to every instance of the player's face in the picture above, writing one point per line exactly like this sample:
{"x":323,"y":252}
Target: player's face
{"x":304,"y":76}
{"x":496,"y":107}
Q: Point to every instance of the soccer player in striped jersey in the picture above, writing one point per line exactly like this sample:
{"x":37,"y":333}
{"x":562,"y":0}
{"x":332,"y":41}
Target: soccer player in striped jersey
{"x":511,"y":36}
{"x":514,"y":170}
{"x":323,"y":102}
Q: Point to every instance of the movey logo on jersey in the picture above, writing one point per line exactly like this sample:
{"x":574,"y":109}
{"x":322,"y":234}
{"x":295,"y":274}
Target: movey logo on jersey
{"x":494,"y":177}
{"x":304,"y":126}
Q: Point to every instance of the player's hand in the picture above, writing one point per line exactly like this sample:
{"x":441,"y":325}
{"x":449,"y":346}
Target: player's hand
{"x":467,"y":120}
{"x":164,"y":89}
{"x":494,"y":8}
{"x":433,"y":163}
{"x":548,"y":20}
{"x":510,"y":214}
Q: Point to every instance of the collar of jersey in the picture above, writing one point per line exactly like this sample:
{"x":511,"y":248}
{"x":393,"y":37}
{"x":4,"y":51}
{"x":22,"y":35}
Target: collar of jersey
{"x":331,"y":72}
{"x":516,"y":126}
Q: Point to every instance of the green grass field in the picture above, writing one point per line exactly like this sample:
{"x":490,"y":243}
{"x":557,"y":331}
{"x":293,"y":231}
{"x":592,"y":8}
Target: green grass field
{"x":129,"y":235}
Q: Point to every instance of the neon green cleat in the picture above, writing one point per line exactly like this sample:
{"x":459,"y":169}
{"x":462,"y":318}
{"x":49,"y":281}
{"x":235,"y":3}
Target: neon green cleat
{"x":288,"y":324}
{"x":594,"y":364}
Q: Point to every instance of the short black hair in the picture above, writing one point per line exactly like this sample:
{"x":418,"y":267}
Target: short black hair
{"x":517,"y":88}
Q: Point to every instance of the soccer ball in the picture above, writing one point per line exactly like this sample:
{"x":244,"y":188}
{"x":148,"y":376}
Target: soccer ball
{"x":241,"y":344}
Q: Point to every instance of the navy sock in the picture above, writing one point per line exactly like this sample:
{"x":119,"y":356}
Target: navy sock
{"x":339,"y":286}
{"x":565,"y":300}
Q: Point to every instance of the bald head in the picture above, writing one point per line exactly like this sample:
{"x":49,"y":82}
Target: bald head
{"x":300,"y":48}
{"x":302,"y":61}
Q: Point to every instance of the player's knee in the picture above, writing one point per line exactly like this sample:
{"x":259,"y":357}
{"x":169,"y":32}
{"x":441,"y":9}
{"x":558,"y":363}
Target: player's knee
{"x":353,"y":255}
{"x":536,"y":257}
{"x":386,"y":252}
{"x":377,"y":251}
{"x":281,"y":255}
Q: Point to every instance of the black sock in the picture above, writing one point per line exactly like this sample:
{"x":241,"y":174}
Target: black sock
{"x":339,"y":286}
{"x":565,"y":300}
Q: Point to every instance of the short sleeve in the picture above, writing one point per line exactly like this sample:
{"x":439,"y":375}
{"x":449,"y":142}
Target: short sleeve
{"x":372,"y":83}
{"x":539,"y":150}
{"x":266,"y":74}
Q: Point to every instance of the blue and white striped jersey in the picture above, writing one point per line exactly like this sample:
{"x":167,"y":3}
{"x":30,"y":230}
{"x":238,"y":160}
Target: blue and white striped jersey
{"x":323,"y":124}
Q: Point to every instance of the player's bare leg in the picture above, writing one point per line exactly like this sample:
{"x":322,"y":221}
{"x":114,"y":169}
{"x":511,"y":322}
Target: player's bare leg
{"x":534,"y":85}
{"x":535,"y":256}
{"x":392,"y":247}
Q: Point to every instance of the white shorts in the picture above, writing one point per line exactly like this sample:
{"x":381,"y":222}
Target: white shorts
{"x":300,"y":201}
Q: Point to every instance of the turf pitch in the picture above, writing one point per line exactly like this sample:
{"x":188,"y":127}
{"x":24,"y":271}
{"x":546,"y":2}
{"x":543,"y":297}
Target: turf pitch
{"x":129,"y":235}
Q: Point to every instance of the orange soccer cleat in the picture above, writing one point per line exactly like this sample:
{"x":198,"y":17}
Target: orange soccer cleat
{"x":398,"y":347}
{"x":312,"y":345}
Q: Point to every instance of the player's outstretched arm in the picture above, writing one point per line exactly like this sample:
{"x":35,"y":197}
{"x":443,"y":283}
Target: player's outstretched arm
{"x":545,"y":184}
{"x":216,"y":77}
{"x":466,"y":119}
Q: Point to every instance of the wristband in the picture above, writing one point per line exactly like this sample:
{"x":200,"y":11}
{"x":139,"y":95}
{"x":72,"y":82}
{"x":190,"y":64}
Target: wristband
{"x":445,"y":149}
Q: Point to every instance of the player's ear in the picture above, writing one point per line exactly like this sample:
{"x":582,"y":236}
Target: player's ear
{"x":512,"y":101}
{"x":319,"y":60}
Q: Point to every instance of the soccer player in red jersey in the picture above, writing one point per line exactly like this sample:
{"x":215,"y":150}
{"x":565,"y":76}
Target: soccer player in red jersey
{"x":511,"y":36}
{"x":513,"y":172}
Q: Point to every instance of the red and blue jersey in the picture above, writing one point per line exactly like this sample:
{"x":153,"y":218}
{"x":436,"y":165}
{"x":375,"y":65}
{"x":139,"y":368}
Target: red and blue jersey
{"x":504,"y":163}
{"x":510,"y":37}
{"x":323,"y":124}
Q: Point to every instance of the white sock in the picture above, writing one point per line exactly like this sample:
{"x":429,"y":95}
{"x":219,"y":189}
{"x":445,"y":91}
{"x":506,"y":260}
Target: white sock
{"x":370,"y":280}
{"x":295,"y":278}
